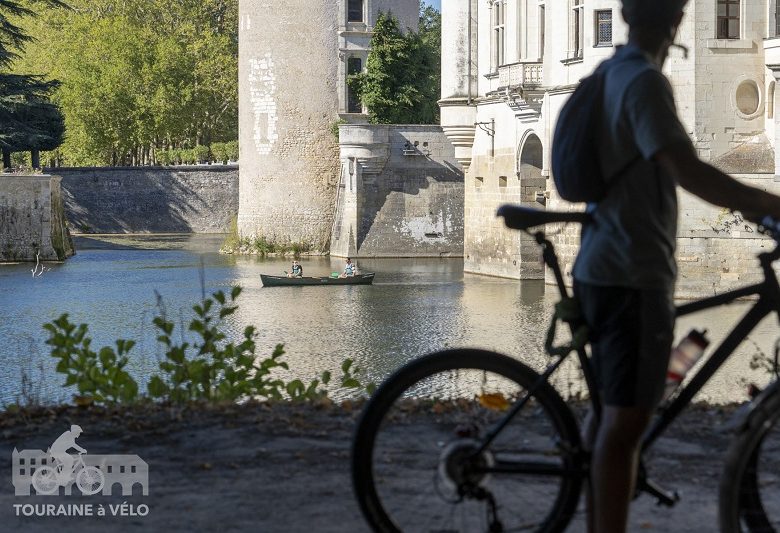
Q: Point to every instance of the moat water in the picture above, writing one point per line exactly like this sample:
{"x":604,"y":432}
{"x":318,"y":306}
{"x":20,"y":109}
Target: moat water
{"x":413,"y":307}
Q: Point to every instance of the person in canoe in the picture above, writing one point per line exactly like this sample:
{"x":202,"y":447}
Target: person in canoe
{"x":296,"y":271}
{"x":350,"y":269}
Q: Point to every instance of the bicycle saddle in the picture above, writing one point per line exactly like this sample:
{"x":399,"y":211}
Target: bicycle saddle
{"x":519,"y":217}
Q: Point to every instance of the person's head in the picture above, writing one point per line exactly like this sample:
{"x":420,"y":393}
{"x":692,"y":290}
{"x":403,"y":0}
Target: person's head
{"x":295,"y":263}
{"x":349,"y":260}
{"x":653,"y":22}
{"x":75,"y":430}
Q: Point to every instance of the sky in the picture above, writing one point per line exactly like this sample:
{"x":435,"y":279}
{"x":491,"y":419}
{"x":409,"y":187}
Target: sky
{"x":434,"y":3}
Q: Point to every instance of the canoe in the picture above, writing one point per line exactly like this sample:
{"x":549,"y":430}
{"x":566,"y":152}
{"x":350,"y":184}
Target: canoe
{"x":284,"y":281}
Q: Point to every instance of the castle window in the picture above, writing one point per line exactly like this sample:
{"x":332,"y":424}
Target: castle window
{"x":728,"y":19}
{"x":355,"y":11}
{"x":604,"y":27}
{"x":541,"y":31}
{"x":354,"y":66}
{"x":502,"y":182}
{"x":478,"y":182}
{"x":577,"y":22}
{"x":770,"y":101}
{"x":499,"y":40}
{"x":777,"y":22}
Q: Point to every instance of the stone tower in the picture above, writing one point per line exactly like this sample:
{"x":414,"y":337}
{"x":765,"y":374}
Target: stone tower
{"x":294,"y":58}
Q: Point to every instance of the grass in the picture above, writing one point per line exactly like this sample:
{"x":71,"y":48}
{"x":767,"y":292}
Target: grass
{"x":236,"y":244}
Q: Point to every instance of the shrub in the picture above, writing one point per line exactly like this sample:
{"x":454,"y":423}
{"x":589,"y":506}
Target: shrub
{"x":175,"y":155}
{"x":232,"y":150}
{"x":99,"y":377}
{"x":220,"y":153}
{"x":164,"y":157}
{"x":201,"y":154}
{"x":210,"y":369}
{"x":188,"y":157}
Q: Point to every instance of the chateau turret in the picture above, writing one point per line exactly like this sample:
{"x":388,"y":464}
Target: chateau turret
{"x":294,"y":58}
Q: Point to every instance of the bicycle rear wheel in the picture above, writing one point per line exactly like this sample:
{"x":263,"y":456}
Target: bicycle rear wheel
{"x":750,"y":485}
{"x":417,"y":463}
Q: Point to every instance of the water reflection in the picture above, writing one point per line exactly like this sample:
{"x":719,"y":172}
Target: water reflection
{"x":413,"y":307}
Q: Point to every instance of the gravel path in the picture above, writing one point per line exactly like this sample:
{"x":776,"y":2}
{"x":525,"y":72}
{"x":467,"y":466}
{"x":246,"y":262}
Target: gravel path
{"x":285,"y":468}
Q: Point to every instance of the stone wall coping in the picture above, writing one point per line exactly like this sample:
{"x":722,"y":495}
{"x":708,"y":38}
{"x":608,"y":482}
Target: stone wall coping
{"x":176,"y":168}
{"x":394,"y":126}
{"x":41,"y":177}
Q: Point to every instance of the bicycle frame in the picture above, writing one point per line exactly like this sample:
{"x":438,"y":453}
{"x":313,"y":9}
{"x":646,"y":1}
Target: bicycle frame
{"x":769,"y":301}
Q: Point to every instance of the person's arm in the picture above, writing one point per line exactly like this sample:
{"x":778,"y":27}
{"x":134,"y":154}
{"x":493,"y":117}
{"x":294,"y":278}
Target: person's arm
{"x":660,"y":136}
{"x":712,"y":185}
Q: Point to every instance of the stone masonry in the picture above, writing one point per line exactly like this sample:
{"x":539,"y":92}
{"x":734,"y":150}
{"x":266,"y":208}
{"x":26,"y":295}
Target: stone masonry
{"x":294,"y":58}
{"x":32,"y":222}
{"x":508,"y":67}
{"x":400,"y":193}
{"x":192,"y":199}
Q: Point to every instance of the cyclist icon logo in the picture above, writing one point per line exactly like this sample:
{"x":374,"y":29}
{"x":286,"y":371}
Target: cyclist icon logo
{"x":64,"y":468}
{"x":59,"y":467}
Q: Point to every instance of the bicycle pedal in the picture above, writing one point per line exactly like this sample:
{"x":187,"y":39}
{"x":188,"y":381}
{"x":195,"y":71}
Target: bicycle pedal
{"x":663,"y":497}
{"x":669,"y":500}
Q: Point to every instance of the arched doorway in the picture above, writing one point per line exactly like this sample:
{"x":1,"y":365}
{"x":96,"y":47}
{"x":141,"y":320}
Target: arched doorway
{"x":531,"y":158}
{"x":529,"y":173}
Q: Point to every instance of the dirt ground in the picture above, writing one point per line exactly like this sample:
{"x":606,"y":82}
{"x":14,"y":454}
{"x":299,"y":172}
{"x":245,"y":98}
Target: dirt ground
{"x":285,"y":468}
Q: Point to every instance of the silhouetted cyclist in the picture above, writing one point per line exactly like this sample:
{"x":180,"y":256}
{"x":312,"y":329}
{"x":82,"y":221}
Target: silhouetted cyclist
{"x":625,"y":271}
{"x":65,"y":442}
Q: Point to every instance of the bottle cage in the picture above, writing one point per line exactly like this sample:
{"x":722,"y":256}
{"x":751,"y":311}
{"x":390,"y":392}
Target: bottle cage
{"x":567,"y":311}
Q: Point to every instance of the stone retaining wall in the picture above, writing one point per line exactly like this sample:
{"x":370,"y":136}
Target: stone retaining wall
{"x":716,"y":249}
{"x":187,"y":199}
{"x":32,"y":222}
{"x":400,"y":193}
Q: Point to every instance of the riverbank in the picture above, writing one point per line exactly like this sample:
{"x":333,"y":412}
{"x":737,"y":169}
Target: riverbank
{"x":285,"y":468}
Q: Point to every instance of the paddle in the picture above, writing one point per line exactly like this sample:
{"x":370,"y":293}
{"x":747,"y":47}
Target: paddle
{"x":334,"y":274}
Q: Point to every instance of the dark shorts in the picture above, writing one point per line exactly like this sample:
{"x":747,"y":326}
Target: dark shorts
{"x":631,"y":334}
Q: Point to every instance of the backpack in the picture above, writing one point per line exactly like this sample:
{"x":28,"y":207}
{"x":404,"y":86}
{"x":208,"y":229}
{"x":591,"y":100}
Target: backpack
{"x":576,"y":166}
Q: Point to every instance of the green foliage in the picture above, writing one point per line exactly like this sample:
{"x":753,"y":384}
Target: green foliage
{"x":232,"y":150}
{"x":400,"y":84}
{"x":260,"y":245}
{"x":216,"y":370}
{"x":220,"y":153}
{"x":349,"y":378}
{"x":164,"y":157}
{"x":208,"y":369}
{"x":98,"y":376}
{"x":202,"y":154}
{"x":334,"y":128}
{"x":139,"y":75}
{"x":28,"y":120}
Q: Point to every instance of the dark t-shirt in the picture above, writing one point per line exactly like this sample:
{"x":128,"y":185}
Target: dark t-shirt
{"x":631,"y":242}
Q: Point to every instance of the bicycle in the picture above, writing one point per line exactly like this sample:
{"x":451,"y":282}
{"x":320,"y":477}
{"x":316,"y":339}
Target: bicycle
{"x":48,"y":479}
{"x":500,"y":432}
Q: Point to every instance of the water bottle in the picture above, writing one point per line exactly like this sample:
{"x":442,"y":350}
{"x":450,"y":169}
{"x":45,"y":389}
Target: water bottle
{"x":683,"y":357}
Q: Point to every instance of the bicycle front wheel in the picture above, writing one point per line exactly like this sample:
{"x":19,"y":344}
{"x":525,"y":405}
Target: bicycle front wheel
{"x":420,"y":460}
{"x":750,"y":485}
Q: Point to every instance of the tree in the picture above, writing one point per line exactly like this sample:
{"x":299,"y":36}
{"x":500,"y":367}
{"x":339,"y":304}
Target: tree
{"x":28,"y":120}
{"x":141,"y":76}
{"x":401,"y":82}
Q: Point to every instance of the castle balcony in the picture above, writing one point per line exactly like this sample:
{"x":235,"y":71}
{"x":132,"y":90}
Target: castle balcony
{"x":367,"y":144}
{"x":520,"y":76}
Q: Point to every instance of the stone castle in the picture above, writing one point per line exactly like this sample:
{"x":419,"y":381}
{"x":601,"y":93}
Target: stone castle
{"x":294,"y":59}
{"x":509,"y":65}
{"x":507,"y":68}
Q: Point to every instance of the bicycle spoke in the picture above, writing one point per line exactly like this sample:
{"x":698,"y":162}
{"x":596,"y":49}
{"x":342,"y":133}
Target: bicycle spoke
{"x":431,"y":474}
